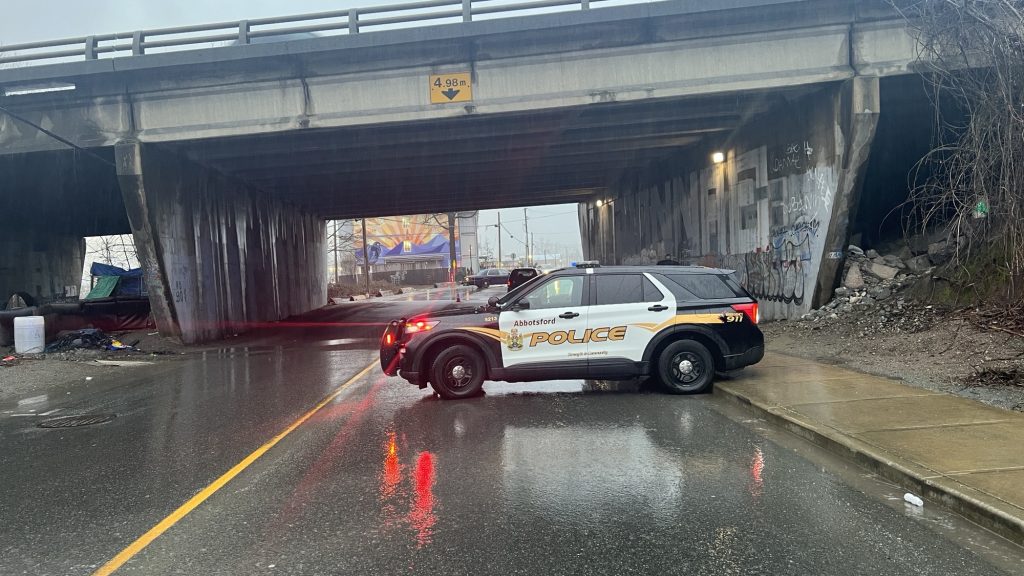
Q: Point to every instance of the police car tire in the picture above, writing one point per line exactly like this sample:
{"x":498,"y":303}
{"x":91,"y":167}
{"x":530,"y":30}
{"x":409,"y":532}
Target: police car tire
{"x":471,"y":359}
{"x":696,"y":351}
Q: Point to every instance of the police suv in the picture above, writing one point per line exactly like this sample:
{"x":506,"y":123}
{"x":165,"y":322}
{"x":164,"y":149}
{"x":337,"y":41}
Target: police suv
{"x":680,"y":324}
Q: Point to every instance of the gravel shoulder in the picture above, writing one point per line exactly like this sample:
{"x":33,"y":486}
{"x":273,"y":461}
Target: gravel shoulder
{"x":952,"y":356}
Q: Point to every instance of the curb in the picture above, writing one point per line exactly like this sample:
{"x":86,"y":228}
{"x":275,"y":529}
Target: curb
{"x":979,"y":508}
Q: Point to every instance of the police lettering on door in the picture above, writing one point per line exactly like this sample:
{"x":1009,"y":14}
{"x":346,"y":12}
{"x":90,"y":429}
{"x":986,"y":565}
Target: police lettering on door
{"x":515,"y":340}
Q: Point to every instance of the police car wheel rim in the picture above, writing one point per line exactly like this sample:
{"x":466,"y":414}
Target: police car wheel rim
{"x":458,"y":372}
{"x":685,"y":360}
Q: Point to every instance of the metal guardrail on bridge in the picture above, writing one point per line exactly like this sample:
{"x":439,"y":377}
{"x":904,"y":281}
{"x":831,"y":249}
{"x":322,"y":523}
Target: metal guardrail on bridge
{"x":351,"y":21}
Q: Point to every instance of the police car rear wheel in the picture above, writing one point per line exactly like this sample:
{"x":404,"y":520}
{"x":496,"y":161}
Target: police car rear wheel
{"x":457,"y":372}
{"x":686,"y":367}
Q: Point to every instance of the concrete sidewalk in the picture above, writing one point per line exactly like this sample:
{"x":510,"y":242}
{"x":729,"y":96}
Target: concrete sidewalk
{"x":961,"y":454}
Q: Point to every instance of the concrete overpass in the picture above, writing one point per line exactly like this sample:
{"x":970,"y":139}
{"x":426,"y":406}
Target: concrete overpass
{"x":225,"y":161}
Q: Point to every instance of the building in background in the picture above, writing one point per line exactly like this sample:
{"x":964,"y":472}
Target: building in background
{"x":401,"y":246}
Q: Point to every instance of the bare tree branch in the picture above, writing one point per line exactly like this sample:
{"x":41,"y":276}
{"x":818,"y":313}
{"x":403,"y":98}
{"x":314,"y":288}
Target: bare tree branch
{"x":972,"y":182}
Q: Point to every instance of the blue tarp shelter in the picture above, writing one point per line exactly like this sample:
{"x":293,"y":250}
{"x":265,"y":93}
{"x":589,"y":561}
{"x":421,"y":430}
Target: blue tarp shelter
{"x":130,"y":283}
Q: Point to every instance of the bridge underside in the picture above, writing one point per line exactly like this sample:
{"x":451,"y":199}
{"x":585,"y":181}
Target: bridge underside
{"x":231,"y":230}
{"x":226,"y":174}
{"x":472,"y":162}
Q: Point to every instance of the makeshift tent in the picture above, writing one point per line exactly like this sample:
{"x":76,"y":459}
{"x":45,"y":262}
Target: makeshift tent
{"x":126,"y":283}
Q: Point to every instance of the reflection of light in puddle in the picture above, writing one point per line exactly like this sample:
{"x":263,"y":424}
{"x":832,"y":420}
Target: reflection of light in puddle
{"x":574,"y":473}
{"x":562,"y":387}
{"x":340,"y":341}
{"x":420,"y":517}
{"x":756,"y":468}
{"x":392,"y":473}
{"x":33,"y":400}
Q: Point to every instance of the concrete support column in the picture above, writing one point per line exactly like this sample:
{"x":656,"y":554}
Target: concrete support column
{"x":218,"y":255}
{"x":39,"y":262}
{"x":859,"y":110}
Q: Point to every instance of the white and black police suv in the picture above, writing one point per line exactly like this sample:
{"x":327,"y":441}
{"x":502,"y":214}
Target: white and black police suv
{"x":680,"y":324}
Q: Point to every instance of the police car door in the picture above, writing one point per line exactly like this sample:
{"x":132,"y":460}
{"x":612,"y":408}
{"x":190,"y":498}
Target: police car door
{"x":627,"y":311}
{"x":546,"y":323}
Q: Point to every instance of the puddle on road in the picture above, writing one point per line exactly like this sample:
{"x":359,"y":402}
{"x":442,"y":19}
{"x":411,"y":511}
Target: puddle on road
{"x":566,"y":387}
{"x":335,"y":344}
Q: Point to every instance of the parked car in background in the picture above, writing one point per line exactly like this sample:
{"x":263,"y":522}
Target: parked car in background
{"x":488,"y":277}
{"x":520,"y":276}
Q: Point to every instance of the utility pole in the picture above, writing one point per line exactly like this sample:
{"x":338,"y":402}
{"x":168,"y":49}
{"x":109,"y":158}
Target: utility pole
{"x":499,"y":238}
{"x":452,"y":258}
{"x":533,"y":246}
{"x":366,"y":261}
{"x":526,"y":228}
{"x":336,"y":277}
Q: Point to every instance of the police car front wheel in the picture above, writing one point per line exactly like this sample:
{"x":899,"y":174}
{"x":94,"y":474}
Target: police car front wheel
{"x":686,"y":367}
{"x":457,"y":372}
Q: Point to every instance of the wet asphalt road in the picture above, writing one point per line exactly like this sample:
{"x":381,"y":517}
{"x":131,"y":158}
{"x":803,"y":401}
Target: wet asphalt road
{"x":547,"y":478}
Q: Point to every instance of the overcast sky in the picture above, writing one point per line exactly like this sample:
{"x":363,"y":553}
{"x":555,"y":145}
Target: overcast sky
{"x":25,"y":21}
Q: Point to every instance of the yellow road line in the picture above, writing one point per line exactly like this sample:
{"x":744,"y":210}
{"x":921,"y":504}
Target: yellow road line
{"x":183,"y":510}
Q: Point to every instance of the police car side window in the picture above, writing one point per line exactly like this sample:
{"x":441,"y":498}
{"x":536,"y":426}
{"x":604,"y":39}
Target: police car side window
{"x":564,"y":292}
{"x":651,"y":292}
{"x":704,"y":286}
{"x":618,"y":289}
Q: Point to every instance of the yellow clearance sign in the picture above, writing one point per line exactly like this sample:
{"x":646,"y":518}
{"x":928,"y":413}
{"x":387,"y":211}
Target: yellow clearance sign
{"x":445,"y":88}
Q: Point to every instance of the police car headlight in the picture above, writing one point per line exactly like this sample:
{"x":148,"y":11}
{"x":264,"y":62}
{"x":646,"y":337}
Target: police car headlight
{"x":419,"y":326}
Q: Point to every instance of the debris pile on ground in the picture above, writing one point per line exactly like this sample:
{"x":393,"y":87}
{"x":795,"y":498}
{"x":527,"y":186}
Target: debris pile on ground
{"x":1012,"y":376}
{"x":872,"y":294}
{"x":89,"y":339}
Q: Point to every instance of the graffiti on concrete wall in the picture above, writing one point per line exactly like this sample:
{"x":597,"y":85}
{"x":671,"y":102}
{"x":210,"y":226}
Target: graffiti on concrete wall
{"x":764,"y":214}
{"x":777,"y":273}
{"x":790,"y":158}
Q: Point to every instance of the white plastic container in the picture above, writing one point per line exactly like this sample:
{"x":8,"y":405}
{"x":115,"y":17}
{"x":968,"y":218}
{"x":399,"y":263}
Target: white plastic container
{"x":29,"y":335}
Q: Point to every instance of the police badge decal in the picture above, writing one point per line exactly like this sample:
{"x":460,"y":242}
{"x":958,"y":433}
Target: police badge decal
{"x":514,"y":340}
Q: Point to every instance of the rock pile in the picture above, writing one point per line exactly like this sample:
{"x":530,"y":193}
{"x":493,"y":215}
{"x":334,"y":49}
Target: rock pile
{"x":871,"y":298}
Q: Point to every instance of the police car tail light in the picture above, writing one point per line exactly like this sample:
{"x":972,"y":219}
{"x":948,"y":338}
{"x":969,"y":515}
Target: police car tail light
{"x":419,"y":326}
{"x":750,"y":310}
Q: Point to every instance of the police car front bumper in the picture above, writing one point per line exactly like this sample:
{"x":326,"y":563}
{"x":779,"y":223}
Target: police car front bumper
{"x":751,"y":356}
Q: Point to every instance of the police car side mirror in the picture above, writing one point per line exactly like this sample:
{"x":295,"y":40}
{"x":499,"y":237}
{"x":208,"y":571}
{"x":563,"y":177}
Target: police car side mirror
{"x":521,"y":305}
{"x":492,"y":301}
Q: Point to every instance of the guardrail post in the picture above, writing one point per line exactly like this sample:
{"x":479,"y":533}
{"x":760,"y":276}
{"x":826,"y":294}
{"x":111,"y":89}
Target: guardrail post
{"x":243,"y":32}
{"x":467,"y":10}
{"x":137,"y":48}
{"x":353,"y":21}
{"x":90,"y":48}
{"x":585,"y":4}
